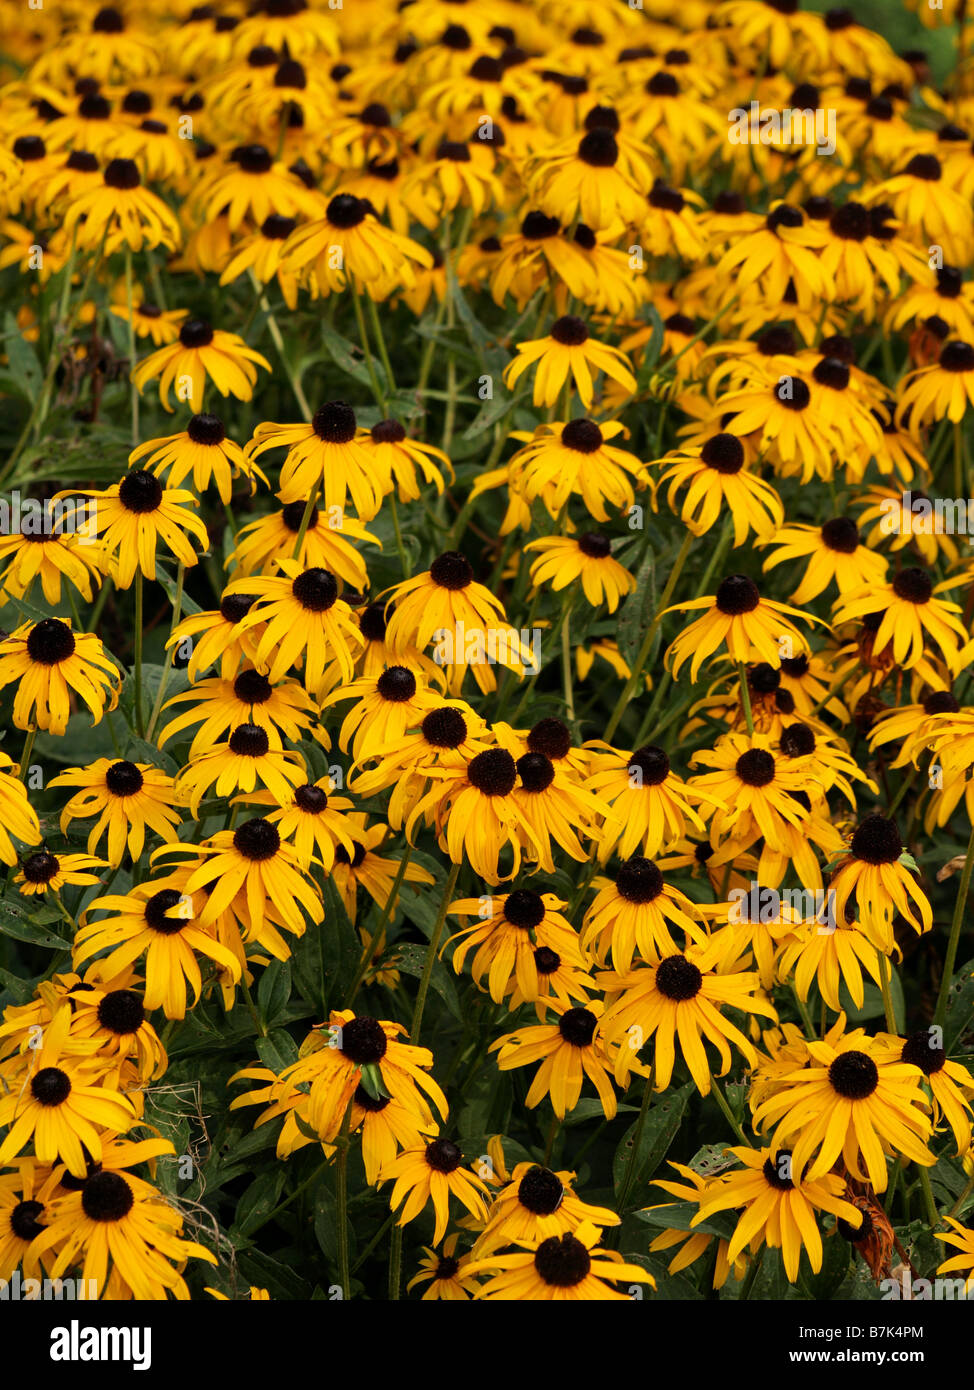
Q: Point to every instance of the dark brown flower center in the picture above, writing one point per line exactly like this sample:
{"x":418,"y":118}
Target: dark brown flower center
{"x":678,"y":979}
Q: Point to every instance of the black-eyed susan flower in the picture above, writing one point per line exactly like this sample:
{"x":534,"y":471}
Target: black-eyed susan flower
{"x":201,"y":354}
{"x":48,"y":661}
{"x":353,"y":1050}
{"x":254,"y":187}
{"x":950,"y":1082}
{"x":127,"y":798}
{"x":375,"y":872}
{"x":475,"y":814}
{"x":715,"y":477}
{"x":829,"y":955}
{"x":587,"y":558}
{"x":833,"y":553}
{"x":740,"y":618}
{"x":911,"y":615}
{"x":63,"y":1106}
{"x":776,"y":1209}
{"x":555,"y":806}
{"x":511,"y":928}
{"x":250,"y":868}
{"x":149,"y":321}
{"x":569,"y":1051}
{"x":325,"y":455}
{"x":53,"y":554}
{"x":680,"y":1001}
{"x":449,"y":730}
{"x":536,"y":1203}
{"x":302,"y":621}
{"x":651,"y":805}
{"x":853,"y":1101}
{"x":204,"y":451}
{"x":756,"y":788}
{"x":18,"y":818}
{"x":261,"y":544}
{"x":399,"y":457}
{"x":160,"y":922}
{"x":445,"y":597}
{"x":115,"y":1017}
{"x":134,"y":515}
{"x":245,"y":762}
{"x":635,"y":912}
{"x":432,"y":1173}
{"x":120,"y":1230}
{"x":216,"y":636}
{"x":385,"y":707}
{"x":312,"y":819}
{"x":568,"y":352}
{"x":445,"y":1274}
{"x":562,"y":459}
{"x":26,"y":1189}
{"x":571,"y":1267}
{"x":584,"y":179}
{"x":959,"y":1238}
{"x":220,"y":705}
{"x":44,"y":871}
{"x":120,"y":212}
{"x":350,"y":240}
{"x":692,"y":1244}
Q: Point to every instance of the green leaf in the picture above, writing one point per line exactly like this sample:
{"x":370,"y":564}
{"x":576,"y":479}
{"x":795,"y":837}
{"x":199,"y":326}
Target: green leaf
{"x":343,"y":353}
{"x":274,"y":991}
{"x":676,"y":1216}
{"x":836,"y":1255}
{"x":960,"y":1006}
{"x":260,"y":1199}
{"x":21,"y":990}
{"x":411,"y":959}
{"x":277,"y":1051}
{"x":653,"y":348}
{"x":22,"y":924}
{"x":187,"y":605}
{"x":659,"y":1130}
{"x":637,"y":611}
{"x":21,"y":358}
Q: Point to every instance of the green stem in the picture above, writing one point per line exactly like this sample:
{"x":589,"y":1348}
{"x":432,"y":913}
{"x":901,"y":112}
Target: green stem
{"x":381,"y":344}
{"x":170,"y":653}
{"x":951,"y":958}
{"x":933,"y":1217}
{"x":969,"y":1188}
{"x":746,"y":699}
{"x":26,"y":752}
{"x":424,"y":983}
{"x":566,"y":665}
{"x":403,"y":558}
{"x":383,"y":922}
{"x":884,"y":982}
{"x":341,"y":1201}
{"x":306,"y":516}
{"x":133,"y":357}
{"x":728,"y":1113}
{"x":275,"y":333}
{"x":377,"y":391}
{"x":139,"y":713}
{"x":643,"y":653}
{"x":553,"y":1129}
{"x":630,"y":1173}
